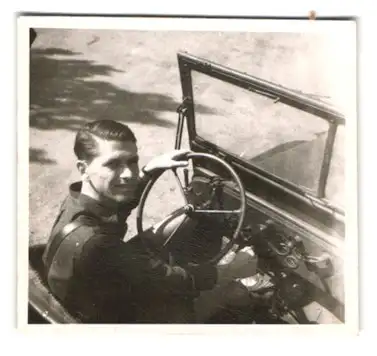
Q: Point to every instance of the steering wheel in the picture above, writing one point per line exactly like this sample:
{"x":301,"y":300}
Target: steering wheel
{"x":191,"y":211}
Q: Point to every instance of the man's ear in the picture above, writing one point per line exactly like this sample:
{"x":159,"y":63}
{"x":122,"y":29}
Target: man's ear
{"x":81,"y":166}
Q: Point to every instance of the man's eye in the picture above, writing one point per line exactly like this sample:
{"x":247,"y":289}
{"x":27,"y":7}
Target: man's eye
{"x":117,"y":164}
{"x":133,"y":161}
{"x":113,"y":164}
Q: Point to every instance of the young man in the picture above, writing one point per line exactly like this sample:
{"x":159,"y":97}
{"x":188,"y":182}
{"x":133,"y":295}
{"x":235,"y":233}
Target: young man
{"x":89,"y":267}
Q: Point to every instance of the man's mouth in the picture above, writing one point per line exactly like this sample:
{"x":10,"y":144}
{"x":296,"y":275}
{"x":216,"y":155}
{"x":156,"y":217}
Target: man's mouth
{"x":125,"y":187}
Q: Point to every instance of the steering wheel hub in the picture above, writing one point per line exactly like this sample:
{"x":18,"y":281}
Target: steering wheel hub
{"x":189,"y":208}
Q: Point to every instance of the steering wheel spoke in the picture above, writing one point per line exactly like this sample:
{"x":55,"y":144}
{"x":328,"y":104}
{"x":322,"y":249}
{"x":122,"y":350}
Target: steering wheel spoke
{"x":174,"y":232}
{"x":203,"y":211}
{"x":181,"y":188}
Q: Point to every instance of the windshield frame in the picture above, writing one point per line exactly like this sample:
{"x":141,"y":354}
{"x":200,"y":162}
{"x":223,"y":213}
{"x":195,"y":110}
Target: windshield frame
{"x":189,"y":63}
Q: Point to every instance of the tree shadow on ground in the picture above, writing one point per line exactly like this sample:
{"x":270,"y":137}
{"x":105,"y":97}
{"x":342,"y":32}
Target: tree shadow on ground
{"x":37,"y":155}
{"x":65,"y":92}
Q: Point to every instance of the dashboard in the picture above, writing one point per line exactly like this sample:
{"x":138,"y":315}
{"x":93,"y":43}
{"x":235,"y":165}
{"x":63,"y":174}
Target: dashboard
{"x":307,"y":272}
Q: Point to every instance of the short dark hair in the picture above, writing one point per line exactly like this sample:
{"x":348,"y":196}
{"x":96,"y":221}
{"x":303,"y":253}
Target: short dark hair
{"x":85,"y":146}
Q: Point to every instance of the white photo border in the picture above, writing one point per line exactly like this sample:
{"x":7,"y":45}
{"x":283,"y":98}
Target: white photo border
{"x":167,"y":24}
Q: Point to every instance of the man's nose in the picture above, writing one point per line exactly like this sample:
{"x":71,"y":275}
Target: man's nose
{"x":126,"y":173}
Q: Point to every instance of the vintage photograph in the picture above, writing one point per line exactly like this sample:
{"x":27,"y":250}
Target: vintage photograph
{"x":189,"y":175}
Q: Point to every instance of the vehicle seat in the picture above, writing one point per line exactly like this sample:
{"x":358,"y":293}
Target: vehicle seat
{"x":41,"y":301}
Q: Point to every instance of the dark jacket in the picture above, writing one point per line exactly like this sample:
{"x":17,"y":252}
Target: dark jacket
{"x":104,"y":279}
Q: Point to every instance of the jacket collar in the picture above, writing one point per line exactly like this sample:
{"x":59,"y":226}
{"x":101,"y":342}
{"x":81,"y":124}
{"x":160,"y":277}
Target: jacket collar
{"x":101,"y":209}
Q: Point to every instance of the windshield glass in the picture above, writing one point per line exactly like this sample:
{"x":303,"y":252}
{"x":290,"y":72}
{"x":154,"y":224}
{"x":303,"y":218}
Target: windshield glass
{"x":279,"y":139}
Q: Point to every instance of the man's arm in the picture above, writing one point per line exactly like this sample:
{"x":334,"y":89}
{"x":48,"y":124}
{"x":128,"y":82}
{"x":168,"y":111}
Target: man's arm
{"x":132,"y":261}
{"x":173,"y":159}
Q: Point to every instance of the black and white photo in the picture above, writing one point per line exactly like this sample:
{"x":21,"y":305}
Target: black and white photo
{"x":190,"y":172}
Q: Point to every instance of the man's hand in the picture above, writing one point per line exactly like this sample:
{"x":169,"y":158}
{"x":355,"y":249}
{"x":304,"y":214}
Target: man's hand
{"x":176,"y":158}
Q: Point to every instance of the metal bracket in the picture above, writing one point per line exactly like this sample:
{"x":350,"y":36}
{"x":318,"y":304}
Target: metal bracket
{"x":182,"y":114}
{"x":323,"y":258}
{"x":182,"y":108}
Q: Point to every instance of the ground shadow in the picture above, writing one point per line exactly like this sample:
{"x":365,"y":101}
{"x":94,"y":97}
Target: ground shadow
{"x":37,"y":155}
{"x":298,"y":161}
{"x":65,"y":92}
{"x":282,"y":148}
{"x":287,"y":146}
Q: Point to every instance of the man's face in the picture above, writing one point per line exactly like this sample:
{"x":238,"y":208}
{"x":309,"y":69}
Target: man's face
{"x":114,"y":173}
